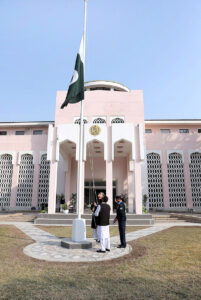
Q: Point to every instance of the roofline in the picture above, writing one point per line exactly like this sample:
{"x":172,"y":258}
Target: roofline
{"x":173,"y":121}
{"x":31,"y":123}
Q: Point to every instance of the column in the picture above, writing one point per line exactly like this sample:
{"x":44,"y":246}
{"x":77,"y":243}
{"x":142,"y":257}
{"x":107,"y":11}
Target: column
{"x":166,"y":199}
{"x":109,"y":183}
{"x":52,"y":187}
{"x":13,"y":197}
{"x":131,"y":185}
{"x":187,"y":180}
{"x":36,"y":180}
{"x":138,"y":188}
{"x":68,"y":181}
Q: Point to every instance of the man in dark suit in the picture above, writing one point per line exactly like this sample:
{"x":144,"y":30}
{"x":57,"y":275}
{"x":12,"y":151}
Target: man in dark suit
{"x":121,"y":218}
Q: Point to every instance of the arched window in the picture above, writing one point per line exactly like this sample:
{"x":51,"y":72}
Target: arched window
{"x":195,"y":174}
{"x":43,"y":190}
{"x":6,"y":173}
{"x":176,"y":182}
{"x":99,"y":121}
{"x":78,"y":121}
{"x":25,"y":181}
{"x":117,"y":120}
{"x":155,"y":186}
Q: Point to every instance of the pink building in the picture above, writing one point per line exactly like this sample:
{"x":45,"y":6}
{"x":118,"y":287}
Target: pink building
{"x":123,"y":154}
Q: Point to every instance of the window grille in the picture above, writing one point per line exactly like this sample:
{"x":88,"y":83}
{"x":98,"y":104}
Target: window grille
{"x":6,"y":173}
{"x":195,"y":174}
{"x":99,"y":121}
{"x":183,"y":130}
{"x":19,"y":132}
{"x":25,"y":181}
{"x":37,"y":132}
{"x":155,"y":186}
{"x":176,"y":182}
{"x":43,"y":191}
{"x":78,"y":121}
{"x":165,"y":130}
{"x":117,"y":120}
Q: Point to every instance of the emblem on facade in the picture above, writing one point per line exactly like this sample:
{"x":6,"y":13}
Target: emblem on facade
{"x":95,"y":130}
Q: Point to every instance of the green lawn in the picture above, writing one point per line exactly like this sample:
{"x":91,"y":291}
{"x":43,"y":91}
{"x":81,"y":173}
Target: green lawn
{"x":166,"y":265}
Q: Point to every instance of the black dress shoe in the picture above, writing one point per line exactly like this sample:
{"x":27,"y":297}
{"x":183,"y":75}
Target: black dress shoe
{"x":119,"y":246}
{"x":107,"y":250}
{"x":100,"y":251}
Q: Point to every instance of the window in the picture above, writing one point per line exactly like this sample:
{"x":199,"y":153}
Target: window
{"x":183,"y":130}
{"x":19,"y":132}
{"x":148,"y":130}
{"x":37,"y":132}
{"x":77,"y":121}
{"x":199,"y":130}
{"x":3,"y":132}
{"x":165,"y":130}
{"x":117,"y":120}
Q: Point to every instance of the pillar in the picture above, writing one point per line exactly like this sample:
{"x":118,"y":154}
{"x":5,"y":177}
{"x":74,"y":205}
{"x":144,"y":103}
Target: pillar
{"x":82,"y":186}
{"x":36,"y":181}
{"x":166,"y":200}
{"x":68,"y":182}
{"x":109,"y":183}
{"x":131,"y":185}
{"x":187,"y":180}
{"x":138,"y":188}
{"x":52,"y":187}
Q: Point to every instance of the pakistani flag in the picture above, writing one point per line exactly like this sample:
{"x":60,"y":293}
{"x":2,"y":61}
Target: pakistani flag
{"x":76,"y":88}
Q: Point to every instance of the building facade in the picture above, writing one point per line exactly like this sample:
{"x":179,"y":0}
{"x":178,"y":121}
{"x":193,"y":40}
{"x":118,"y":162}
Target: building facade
{"x":123,"y":154}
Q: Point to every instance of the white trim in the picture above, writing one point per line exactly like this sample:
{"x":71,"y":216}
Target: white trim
{"x":141,"y":140}
{"x":159,"y":152}
{"x":27,"y":124}
{"x":131,"y":165}
{"x":50,"y":142}
{"x":181,"y":152}
{"x":40,"y":155}
{"x":22,"y":153}
{"x":10,"y":153}
{"x":179,"y":122}
{"x":108,"y":84}
{"x":192,"y":151}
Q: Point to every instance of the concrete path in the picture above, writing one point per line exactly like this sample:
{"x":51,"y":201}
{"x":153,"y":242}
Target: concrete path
{"x":48,"y":247}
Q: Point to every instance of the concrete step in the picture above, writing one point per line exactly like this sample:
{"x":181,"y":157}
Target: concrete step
{"x":88,"y":216}
{"x":88,"y":222}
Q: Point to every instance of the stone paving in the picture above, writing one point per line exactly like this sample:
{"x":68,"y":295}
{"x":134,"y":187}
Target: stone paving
{"x":48,"y":247}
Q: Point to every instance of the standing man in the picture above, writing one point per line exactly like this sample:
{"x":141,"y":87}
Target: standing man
{"x":103,"y":214}
{"x":121,"y":218}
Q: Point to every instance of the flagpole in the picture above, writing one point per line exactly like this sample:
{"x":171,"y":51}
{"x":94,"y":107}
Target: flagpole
{"x":80,"y":162}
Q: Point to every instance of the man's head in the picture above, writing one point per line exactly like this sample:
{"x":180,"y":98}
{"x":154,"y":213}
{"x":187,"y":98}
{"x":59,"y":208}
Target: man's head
{"x":101,"y":196}
{"x":118,"y":199}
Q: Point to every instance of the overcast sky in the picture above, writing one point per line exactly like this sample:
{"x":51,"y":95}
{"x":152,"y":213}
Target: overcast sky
{"x":153,"y":45}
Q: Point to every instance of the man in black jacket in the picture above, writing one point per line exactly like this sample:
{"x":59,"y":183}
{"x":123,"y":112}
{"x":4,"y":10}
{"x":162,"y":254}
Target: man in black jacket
{"x":121,"y":218}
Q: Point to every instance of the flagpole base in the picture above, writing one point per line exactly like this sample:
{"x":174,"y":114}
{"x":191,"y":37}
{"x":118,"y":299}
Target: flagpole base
{"x":79,"y":230}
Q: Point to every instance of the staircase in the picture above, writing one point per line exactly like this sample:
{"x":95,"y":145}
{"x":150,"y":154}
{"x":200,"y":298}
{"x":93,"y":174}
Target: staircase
{"x":166,"y":218}
{"x":60,"y":219}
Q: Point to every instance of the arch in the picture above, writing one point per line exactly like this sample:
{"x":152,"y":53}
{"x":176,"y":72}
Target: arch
{"x":195,"y":175}
{"x":99,"y":121}
{"x":177,"y":193}
{"x":77,"y":121}
{"x":25,"y":181}
{"x":105,"y":84}
{"x":117,"y":120}
{"x":6,"y":172}
{"x":123,"y":146}
{"x":155,"y":184}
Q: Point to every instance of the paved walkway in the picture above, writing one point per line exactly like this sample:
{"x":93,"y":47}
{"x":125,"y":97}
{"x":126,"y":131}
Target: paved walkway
{"x":48,"y":247}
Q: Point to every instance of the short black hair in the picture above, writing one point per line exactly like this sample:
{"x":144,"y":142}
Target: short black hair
{"x":118,"y":197}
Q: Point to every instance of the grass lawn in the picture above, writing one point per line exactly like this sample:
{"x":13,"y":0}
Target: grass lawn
{"x":67,"y":230}
{"x":166,"y":265}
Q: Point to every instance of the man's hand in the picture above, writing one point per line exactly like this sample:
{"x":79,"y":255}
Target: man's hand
{"x":114,"y":220}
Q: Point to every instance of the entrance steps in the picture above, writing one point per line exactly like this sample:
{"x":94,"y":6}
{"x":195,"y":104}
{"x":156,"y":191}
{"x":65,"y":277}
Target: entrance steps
{"x":166,"y":218}
{"x":60,"y":219}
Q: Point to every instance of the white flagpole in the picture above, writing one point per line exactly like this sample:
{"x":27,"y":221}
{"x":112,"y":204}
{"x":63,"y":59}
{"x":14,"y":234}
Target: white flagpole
{"x":80,"y":162}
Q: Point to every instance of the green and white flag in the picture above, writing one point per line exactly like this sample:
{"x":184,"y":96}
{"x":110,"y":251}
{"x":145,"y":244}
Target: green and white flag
{"x":76,"y":88}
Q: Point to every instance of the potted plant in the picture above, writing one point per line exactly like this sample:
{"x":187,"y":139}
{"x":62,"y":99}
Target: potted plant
{"x":65,"y":208}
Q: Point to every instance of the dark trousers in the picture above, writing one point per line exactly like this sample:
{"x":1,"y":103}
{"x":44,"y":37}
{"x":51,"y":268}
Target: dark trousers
{"x":122,"y":232}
